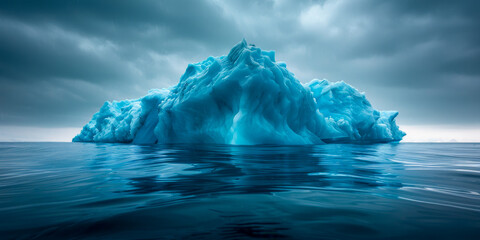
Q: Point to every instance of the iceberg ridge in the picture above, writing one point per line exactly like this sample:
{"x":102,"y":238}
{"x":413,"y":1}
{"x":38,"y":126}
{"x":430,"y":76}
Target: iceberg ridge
{"x":245,"y":97}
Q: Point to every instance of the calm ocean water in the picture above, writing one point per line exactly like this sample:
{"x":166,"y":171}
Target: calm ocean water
{"x":117,"y":191}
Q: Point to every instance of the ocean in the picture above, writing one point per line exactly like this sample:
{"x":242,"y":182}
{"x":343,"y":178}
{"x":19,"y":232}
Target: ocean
{"x":333,"y":191}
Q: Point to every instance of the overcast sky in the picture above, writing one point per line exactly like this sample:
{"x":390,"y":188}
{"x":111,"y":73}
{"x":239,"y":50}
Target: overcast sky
{"x":60,"y":60}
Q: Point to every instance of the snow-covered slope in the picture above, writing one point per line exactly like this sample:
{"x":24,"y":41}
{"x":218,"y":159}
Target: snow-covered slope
{"x":245,"y":97}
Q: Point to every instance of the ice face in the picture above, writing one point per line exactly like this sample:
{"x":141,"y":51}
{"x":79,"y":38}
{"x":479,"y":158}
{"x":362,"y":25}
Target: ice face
{"x":245,"y":97}
{"x":124,"y":121}
{"x":351,"y":116}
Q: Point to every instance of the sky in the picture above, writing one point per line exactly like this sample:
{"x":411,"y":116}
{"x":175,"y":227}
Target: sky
{"x":60,"y":60}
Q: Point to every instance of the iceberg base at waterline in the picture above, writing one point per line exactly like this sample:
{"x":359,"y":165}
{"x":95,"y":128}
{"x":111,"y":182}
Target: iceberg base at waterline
{"x":245,"y":98}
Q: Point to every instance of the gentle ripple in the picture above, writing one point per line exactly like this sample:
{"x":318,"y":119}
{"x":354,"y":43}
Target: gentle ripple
{"x":117,"y":191}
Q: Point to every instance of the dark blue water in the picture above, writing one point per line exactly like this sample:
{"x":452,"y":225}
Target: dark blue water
{"x":116,"y":191}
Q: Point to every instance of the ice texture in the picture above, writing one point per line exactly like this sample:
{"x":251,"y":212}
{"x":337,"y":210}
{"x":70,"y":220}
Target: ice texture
{"x":351,"y":116}
{"x":245,"y":97}
{"x":122,"y":121}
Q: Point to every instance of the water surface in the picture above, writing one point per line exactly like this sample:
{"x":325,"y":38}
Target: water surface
{"x":118,"y":191}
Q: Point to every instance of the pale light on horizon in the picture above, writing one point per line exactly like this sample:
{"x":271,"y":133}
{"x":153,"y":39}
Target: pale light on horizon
{"x":440,"y":133}
{"x":37,"y":134}
{"x":415,"y":133}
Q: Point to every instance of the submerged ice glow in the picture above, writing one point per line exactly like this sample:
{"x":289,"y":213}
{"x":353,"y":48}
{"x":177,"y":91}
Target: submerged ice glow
{"x":247,"y":98}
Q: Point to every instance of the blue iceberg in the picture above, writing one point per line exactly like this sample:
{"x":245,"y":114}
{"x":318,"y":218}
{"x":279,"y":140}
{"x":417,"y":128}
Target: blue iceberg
{"x":243,"y":98}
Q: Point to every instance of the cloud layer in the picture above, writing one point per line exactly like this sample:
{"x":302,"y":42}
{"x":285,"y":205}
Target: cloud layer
{"x":60,"y":60}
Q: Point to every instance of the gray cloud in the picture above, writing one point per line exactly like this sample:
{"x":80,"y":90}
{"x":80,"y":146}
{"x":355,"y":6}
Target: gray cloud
{"x":60,"y":60}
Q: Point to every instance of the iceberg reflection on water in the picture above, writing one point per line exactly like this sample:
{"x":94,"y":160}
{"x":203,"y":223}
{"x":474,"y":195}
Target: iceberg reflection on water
{"x":88,"y":190}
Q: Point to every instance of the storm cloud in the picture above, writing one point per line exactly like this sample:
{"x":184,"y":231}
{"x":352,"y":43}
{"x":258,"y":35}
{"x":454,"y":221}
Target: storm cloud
{"x":60,"y":60}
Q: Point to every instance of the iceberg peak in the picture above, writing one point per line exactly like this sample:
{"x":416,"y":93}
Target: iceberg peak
{"x":245,"y":97}
{"x":237,"y":50}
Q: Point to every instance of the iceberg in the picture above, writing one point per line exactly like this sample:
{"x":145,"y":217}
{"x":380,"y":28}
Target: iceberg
{"x":245,"y":98}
